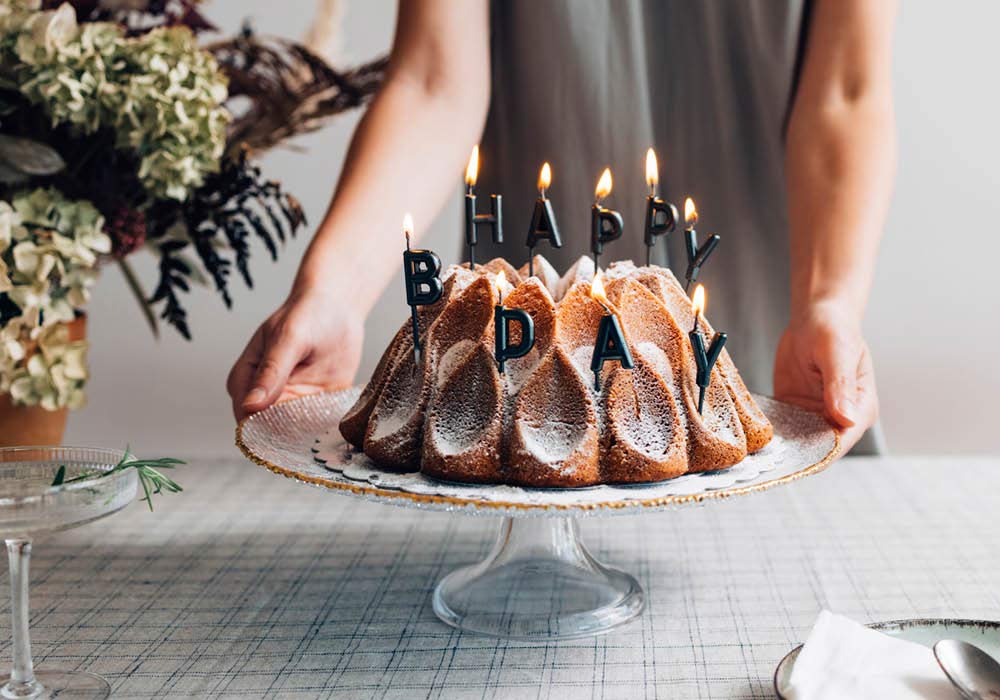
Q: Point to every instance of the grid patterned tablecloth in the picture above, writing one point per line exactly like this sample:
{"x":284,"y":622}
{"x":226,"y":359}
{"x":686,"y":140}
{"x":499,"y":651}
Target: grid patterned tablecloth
{"x":252,"y":586}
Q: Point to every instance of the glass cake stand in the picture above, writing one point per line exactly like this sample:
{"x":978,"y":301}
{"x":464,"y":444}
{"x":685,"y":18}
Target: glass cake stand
{"x":30,"y":506}
{"x":539,"y":582}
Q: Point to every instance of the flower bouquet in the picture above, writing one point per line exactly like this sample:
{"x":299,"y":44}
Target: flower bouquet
{"x":119,"y":132}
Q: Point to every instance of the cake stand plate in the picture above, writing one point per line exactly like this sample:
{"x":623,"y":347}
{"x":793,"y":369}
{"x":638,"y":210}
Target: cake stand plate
{"x":539,"y":582}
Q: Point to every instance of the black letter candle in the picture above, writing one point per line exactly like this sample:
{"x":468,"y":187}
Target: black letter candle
{"x":704,"y":361}
{"x":543,"y":220}
{"x":610,"y":343}
{"x":661,"y":216}
{"x":696,"y":256}
{"x":473,"y":220}
{"x":605,"y":224}
{"x":502,"y":317}
{"x":421,"y":270}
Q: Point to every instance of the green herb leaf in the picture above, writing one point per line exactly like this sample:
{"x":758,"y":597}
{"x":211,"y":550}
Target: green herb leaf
{"x":60,"y":476}
{"x":151,"y":479}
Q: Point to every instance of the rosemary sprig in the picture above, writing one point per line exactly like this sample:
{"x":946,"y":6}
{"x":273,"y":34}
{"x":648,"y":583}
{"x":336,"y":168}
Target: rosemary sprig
{"x":152,"y":480}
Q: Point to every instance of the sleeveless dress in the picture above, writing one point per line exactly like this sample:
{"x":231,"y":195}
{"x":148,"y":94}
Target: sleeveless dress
{"x":589,"y":84}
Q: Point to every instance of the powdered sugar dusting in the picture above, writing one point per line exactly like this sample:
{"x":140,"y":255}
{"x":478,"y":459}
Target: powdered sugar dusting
{"x":581,"y":271}
{"x":452,"y":357}
{"x":552,"y":441}
{"x":655,"y":356}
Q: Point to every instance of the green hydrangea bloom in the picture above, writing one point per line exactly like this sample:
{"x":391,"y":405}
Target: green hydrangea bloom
{"x":159,"y":92}
{"x":49,"y":249}
{"x":54,"y":375}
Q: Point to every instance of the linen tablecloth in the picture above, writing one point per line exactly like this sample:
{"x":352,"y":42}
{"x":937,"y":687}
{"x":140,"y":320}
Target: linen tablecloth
{"x":249,"y":585}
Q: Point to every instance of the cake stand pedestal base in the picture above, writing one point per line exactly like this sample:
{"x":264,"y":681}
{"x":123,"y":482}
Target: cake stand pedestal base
{"x":538,"y":583}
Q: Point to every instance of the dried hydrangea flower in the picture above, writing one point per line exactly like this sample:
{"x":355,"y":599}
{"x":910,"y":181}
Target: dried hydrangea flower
{"x":161,"y":94}
{"x":49,"y":249}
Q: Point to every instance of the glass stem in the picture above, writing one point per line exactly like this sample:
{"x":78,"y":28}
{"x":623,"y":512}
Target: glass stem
{"x":545,"y":538}
{"x":22,"y":676}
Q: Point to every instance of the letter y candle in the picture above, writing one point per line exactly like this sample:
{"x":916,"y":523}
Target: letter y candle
{"x":704,"y":361}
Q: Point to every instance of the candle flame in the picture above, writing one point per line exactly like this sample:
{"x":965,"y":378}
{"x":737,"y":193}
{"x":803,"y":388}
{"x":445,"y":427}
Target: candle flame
{"x":500,"y":282}
{"x":544,"y":178}
{"x":472,"y":169}
{"x":597,"y":289}
{"x":603,"y":188}
{"x":690,"y":212}
{"x":652,"y":169}
{"x":408,"y":224}
{"x":698,"y":305}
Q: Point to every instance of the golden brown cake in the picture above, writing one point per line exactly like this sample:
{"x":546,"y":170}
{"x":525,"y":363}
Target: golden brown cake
{"x":541,"y":423}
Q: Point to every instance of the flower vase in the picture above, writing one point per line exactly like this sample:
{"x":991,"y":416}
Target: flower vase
{"x":34,"y":425}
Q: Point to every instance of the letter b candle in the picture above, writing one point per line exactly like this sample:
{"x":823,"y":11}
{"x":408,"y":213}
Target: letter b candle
{"x":421,"y":270}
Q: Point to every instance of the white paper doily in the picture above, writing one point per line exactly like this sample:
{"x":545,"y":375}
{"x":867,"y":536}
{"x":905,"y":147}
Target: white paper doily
{"x":300,"y":439}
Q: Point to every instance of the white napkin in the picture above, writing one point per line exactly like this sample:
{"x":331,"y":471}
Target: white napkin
{"x":842,"y":659}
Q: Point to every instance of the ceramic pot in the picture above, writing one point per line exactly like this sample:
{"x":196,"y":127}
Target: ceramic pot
{"x":33,"y":425}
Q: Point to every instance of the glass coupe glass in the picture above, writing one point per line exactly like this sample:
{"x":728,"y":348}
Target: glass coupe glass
{"x":29,"y":506}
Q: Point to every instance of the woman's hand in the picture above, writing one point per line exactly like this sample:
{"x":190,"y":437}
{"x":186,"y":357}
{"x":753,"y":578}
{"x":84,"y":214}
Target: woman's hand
{"x":823,"y":365}
{"x":312,"y":343}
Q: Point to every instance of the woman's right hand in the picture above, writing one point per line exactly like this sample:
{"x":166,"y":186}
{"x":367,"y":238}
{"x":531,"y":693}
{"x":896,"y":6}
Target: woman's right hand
{"x":312,"y":343}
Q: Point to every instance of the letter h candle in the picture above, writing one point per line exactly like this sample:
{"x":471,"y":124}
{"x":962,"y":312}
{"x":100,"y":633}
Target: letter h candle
{"x":473,"y":220}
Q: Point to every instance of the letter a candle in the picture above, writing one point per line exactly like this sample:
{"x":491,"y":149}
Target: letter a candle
{"x":543,"y":219}
{"x":610,"y":343}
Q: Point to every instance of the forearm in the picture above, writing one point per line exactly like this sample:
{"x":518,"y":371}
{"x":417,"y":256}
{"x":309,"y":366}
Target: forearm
{"x":406,"y":156}
{"x":407,"y":153}
{"x":839,"y":167}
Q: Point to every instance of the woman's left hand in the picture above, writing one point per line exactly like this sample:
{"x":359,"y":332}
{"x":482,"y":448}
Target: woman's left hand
{"x":823,"y":365}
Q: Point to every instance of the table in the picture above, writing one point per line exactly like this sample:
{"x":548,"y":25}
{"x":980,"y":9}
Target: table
{"x":248,"y":585}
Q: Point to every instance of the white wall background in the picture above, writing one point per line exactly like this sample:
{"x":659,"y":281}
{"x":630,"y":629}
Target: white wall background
{"x":934,"y":321}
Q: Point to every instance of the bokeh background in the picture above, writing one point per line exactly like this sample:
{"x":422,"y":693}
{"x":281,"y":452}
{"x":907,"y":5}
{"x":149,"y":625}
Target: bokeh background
{"x":933,"y":323}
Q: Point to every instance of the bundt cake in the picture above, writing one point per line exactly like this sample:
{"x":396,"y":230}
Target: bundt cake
{"x":541,"y":423}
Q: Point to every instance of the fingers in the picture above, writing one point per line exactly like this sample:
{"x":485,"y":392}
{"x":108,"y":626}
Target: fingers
{"x":277,"y":361}
{"x":866,"y":402}
{"x":242,"y":374}
{"x":839,"y":363}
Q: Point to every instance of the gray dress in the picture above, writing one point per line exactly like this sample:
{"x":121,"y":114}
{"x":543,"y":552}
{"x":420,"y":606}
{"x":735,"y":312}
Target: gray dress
{"x":586,"y":84}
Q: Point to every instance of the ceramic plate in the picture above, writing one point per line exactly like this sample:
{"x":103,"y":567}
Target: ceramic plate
{"x":984,"y":634}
